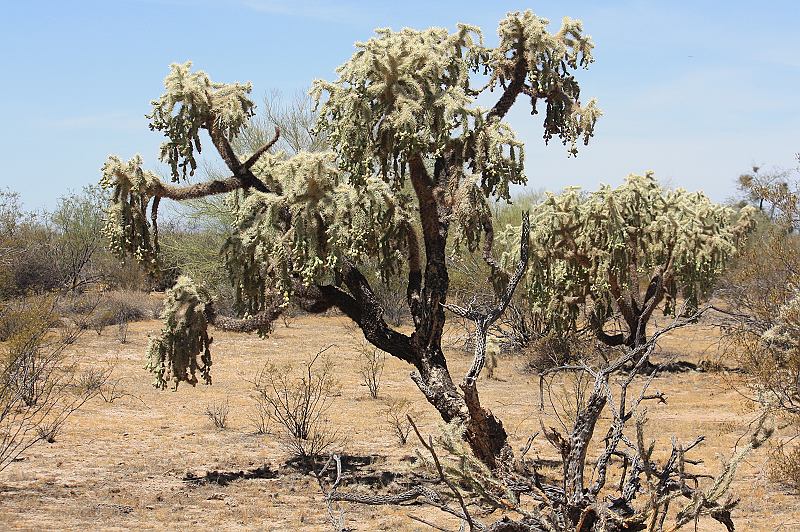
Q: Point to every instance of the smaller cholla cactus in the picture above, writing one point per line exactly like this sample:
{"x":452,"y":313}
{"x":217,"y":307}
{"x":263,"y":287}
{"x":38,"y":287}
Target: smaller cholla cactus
{"x":593,"y":253}
{"x":183,"y":345}
{"x":786,"y":331}
{"x":492,"y":350}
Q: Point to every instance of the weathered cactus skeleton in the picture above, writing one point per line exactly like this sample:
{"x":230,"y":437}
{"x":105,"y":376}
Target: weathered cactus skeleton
{"x":622,"y":252}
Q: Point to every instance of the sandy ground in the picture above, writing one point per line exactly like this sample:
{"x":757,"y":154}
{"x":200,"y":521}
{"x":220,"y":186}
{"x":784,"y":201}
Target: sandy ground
{"x":122,"y":465}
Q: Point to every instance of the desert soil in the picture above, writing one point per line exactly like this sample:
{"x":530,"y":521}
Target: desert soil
{"x":128,"y":464}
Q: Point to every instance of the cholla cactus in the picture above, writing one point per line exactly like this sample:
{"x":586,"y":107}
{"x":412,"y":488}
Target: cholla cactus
{"x":403,"y":111}
{"x":333,"y":221}
{"x":182,"y":348}
{"x":126,"y":225}
{"x":193,"y":102}
{"x":409,"y":92}
{"x":592,"y":251}
{"x":786,"y":331}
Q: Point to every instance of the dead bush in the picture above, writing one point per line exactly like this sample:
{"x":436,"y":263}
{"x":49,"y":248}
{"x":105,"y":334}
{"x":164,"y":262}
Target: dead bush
{"x":261,"y":416}
{"x":784,"y":466}
{"x":371,"y":362}
{"x":398,"y":414}
{"x":549,"y":351}
{"x":99,"y":310}
{"x":299,"y":403}
{"x":48,"y":430}
{"x":40,"y":387}
{"x":217,"y":412}
{"x":625,"y":485}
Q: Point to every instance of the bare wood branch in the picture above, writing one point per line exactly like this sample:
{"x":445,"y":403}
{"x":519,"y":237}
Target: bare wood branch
{"x":484,"y":320}
{"x":261,"y":151}
{"x":430,"y":448}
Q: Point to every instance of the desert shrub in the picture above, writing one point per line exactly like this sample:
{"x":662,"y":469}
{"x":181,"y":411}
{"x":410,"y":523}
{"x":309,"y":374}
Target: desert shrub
{"x":784,"y":465}
{"x":35,"y":268}
{"x":122,"y":331}
{"x":192,"y":247}
{"x":126,"y":276}
{"x":76,"y":225}
{"x":398,"y":414}
{"x":551,"y":350}
{"x":26,"y":261}
{"x":55,"y":250}
{"x":774,"y":192}
{"x":217,"y":412}
{"x":566,"y":395}
{"x":113,"y":307}
{"x":370,"y":367}
{"x":40,"y":387}
{"x":14,"y":316}
{"x":760,"y":307}
{"x":261,"y":416}
{"x":129,"y":305}
{"x":390,"y":295}
{"x":31,"y":346}
{"x":113,"y":389}
{"x":299,"y":403}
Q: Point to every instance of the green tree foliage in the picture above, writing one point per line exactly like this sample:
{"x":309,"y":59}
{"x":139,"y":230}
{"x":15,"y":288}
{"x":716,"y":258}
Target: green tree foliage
{"x":623,"y":251}
{"x":50,"y":250}
{"x":78,"y":223}
{"x":10,"y":215}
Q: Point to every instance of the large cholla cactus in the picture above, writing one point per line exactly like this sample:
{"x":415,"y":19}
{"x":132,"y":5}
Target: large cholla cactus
{"x":594,"y":251}
{"x":409,"y":92}
{"x":411,"y":154}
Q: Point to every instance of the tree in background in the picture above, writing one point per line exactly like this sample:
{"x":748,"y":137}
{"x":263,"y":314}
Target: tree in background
{"x":770,"y":191}
{"x":56,"y":250}
{"x":410,"y":149}
{"x":10,"y":216}
{"x":78,"y":222}
{"x":622,"y":252}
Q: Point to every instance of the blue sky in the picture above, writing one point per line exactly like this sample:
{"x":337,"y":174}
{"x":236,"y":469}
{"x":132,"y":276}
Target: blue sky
{"x":697,"y":91}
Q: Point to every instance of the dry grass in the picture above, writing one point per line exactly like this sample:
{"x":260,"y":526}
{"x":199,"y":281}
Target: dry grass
{"x":122,"y":465}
